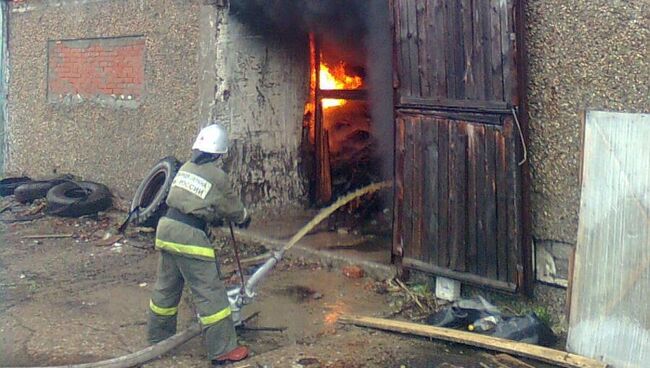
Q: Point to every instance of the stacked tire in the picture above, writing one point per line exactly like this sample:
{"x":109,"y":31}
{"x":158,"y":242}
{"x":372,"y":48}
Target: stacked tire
{"x":76,"y":199}
{"x":8,"y":185}
{"x":64,"y":196}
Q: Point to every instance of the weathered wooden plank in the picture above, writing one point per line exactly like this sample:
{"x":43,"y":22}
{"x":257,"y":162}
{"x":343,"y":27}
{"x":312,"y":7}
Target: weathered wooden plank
{"x":455,"y":59}
{"x":480,"y":106}
{"x":495,"y":59}
{"x":512,"y":204}
{"x":344,"y":94}
{"x":412,"y":35}
{"x":481,"y":241}
{"x":488,"y":119}
{"x":430,"y":142}
{"x":422,"y":39}
{"x":502,"y":215}
{"x":472,"y":201}
{"x":436,"y":47}
{"x":489,"y":204}
{"x":418,"y":178}
{"x":508,"y":50}
{"x":480,"y":47}
{"x":454,"y":194}
{"x":468,"y":86}
{"x":398,"y":203}
{"x":323,"y":170}
{"x":404,"y":61}
{"x":443,"y":192}
{"x":409,"y":244}
{"x":458,"y":195}
{"x":467,"y":277}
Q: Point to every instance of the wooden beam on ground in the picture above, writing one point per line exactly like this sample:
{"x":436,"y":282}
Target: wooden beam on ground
{"x":543,"y":354}
{"x":48,"y":236}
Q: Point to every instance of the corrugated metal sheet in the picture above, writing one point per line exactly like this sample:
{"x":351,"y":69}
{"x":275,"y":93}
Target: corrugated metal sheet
{"x":610,"y":304}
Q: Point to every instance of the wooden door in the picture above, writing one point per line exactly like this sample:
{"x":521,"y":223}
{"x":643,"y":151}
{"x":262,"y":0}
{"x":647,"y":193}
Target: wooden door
{"x":459,"y":141}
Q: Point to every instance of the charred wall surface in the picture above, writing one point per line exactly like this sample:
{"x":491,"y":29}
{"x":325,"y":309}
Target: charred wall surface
{"x":260,"y":90}
{"x":102,"y":134}
{"x":587,"y":54}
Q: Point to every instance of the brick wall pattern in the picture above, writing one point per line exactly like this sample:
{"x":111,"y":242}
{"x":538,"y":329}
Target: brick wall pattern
{"x":93,"y":68}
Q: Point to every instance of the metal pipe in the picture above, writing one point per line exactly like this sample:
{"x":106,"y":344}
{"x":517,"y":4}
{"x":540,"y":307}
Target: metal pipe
{"x":249,"y":287}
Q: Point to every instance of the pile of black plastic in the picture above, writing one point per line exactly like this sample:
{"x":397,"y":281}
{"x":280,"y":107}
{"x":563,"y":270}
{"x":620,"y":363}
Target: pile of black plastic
{"x":478,"y":315}
{"x":63,"y":195}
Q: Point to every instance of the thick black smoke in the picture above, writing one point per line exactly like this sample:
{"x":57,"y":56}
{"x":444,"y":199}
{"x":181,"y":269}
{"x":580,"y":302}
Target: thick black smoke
{"x":342,"y":19}
{"x":379,"y":63}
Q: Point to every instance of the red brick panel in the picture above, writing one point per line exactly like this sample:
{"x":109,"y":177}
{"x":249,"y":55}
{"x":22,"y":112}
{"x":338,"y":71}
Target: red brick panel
{"x":97,"y":67}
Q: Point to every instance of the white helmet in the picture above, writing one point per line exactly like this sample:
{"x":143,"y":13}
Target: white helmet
{"x":212,"y":139}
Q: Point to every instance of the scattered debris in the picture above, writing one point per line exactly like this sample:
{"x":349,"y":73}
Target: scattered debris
{"x":511,"y":361}
{"x":540,"y":353}
{"x":411,"y":295}
{"x":108,"y":241}
{"x":6,"y":207}
{"x":34,"y":210}
{"x":353,"y":272}
{"x":308,"y":361}
{"x":478,"y":315}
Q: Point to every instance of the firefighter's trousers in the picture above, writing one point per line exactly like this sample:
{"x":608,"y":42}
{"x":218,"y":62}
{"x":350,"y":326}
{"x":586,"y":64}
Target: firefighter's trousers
{"x":208,"y":294}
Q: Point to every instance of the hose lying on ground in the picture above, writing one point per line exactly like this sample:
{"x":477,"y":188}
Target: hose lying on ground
{"x":161,"y":348}
{"x":144,"y":355}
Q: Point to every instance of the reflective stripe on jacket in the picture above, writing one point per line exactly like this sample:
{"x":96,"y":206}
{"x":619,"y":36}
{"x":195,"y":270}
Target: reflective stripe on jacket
{"x":178,"y":238}
{"x":185,"y":249}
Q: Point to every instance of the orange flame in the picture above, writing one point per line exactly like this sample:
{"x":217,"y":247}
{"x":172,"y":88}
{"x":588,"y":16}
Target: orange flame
{"x":336,"y":78}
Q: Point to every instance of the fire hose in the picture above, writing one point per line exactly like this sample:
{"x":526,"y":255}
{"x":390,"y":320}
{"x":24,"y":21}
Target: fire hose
{"x":237,"y":297}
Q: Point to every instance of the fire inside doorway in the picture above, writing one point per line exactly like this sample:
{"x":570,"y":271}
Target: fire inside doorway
{"x":338,"y":122}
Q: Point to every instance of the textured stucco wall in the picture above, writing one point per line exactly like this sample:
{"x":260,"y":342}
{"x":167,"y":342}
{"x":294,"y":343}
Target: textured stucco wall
{"x":113,"y":145}
{"x":583,"y":54}
{"x":260,"y":94}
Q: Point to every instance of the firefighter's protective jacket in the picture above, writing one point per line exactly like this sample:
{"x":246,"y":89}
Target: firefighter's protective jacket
{"x":205,"y":192}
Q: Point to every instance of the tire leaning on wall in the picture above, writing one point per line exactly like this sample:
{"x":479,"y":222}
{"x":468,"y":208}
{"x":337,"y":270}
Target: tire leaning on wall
{"x":152,"y":192}
{"x":75,"y":199}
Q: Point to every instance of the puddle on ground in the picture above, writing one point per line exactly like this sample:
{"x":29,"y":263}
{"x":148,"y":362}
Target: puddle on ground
{"x":299,"y":293}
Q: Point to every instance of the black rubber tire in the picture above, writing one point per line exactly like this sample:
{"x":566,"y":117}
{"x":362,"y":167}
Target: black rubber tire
{"x":152,"y":192}
{"x":9,"y":185}
{"x":31,"y":191}
{"x":76,"y":199}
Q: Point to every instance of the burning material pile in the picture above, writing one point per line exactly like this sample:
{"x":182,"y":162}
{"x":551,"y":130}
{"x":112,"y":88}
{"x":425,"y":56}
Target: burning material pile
{"x":338,"y":107}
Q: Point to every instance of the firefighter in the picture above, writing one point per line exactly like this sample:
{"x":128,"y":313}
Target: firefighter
{"x":200,"y":195}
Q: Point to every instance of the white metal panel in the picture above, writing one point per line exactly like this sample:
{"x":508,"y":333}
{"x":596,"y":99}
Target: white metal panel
{"x":610,"y":304}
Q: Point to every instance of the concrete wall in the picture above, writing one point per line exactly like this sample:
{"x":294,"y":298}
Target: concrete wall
{"x":583,"y":54}
{"x":260,"y":94}
{"x":104,"y":140}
